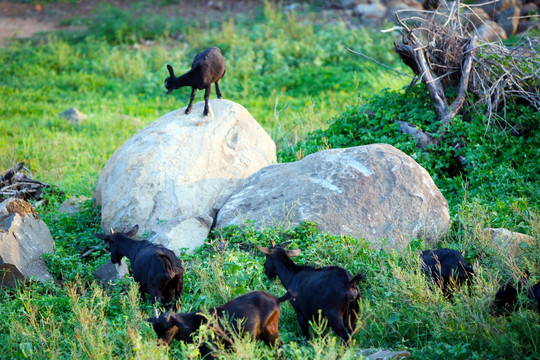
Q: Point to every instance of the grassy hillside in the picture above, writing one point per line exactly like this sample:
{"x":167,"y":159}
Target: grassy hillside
{"x":293,"y":75}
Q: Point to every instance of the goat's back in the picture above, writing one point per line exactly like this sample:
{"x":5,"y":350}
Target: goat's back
{"x":156,"y":260}
{"x":209,"y":66}
{"x":445,"y":263}
{"x":323,"y":288}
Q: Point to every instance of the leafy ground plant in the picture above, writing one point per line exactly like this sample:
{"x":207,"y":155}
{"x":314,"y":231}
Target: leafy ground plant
{"x":294,"y":77}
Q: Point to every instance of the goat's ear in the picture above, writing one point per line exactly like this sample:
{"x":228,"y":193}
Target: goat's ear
{"x":133,"y":231}
{"x":264,"y":250}
{"x":171,"y":71}
{"x":292,"y":253}
{"x":358,"y":278}
{"x":101,"y":236}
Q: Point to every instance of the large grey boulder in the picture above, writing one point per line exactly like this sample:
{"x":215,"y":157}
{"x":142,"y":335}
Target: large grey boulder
{"x":180,"y":169}
{"x":23,"y":238}
{"x":375,"y":192}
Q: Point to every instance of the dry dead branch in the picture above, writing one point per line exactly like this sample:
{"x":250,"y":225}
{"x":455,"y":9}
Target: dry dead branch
{"x":15,"y":184}
{"x":445,"y":52}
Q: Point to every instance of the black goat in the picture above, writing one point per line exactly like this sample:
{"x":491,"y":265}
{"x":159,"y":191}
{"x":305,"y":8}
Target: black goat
{"x":446,"y":267}
{"x":157,"y":269}
{"x":331,"y":290}
{"x":208,"y":67}
{"x":506,"y":298}
{"x":256,"y":312}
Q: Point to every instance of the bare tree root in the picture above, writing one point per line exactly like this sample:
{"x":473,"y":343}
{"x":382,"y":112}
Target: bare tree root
{"x":15,"y":184}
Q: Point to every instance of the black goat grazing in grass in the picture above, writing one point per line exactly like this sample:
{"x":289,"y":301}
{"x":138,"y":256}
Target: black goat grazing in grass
{"x":208,"y":67}
{"x":446,"y":267}
{"x":256,"y":313}
{"x":330,"y":290}
{"x":506,"y":299}
{"x":157,"y":269}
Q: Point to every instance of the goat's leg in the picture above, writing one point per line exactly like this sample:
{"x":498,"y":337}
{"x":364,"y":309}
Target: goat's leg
{"x":350,"y":316}
{"x":304,"y":325}
{"x":336,"y":323}
{"x":193,"y":92}
{"x":206,"y":98}
{"x":218,"y":92}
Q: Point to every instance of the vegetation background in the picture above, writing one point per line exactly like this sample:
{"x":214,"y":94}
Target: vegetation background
{"x":292,"y":73}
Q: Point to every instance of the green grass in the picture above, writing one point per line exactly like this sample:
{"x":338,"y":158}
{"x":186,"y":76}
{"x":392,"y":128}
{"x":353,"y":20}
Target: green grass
{"x":325,"y":97}
{"x":300,"y":68}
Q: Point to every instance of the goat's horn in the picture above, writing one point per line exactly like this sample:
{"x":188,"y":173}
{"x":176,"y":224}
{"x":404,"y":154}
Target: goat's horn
{"x":273,"y":243}
{"x":156,"y":315}
{"x":168,"y":315}
{"x":171,"y":71}
{"x":112,"y":231}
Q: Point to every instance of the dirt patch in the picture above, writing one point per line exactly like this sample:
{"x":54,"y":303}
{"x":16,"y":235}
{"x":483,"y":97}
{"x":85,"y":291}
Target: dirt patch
{"x":25,"y":20}
{"x":11,"y":28}
{"x":22,"y":208}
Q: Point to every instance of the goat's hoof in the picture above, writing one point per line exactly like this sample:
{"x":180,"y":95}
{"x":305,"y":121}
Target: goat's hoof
{"x":220,"y":97}
{"x":188,"y":111}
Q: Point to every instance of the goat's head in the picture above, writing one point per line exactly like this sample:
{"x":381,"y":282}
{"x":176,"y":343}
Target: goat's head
{"x":354,"y":291}
{"x":112,"y":240}
{"x":169,"y":82}
{"x":272,"y":254}
{"x":168,"y":326}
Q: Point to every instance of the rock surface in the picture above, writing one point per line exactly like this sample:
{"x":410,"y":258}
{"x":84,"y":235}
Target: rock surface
{"x":506,"y":241}
{"x":182,"y":167}
{"x":72,"y":205}
{"x":74,"y":116}
{"x":109,"y":272}
{"x":374,"y":192}
{"x":380,"y":354}
{"x":23,"y":238}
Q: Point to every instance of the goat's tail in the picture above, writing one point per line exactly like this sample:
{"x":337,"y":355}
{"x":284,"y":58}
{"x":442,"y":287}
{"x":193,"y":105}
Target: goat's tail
{"x":167,"y":263}
{"x":287,"y":296}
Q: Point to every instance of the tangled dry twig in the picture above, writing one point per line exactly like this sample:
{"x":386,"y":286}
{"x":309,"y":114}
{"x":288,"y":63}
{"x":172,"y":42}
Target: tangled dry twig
{"x":445,"y":51}
{"x":15,"y":184}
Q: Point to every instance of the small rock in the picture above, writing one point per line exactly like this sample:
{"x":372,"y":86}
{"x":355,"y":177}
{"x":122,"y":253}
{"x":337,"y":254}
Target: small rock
{"x":72,"y":205}
{"x":74,"y":116}
{"x":109,"y":272}
{"x":343,"y":4}
{"x":491,"y":31}
{"x":529,"y":8}
{"x":371,"y":14}
{"x":24,"y":237}
{"x":509,"y":20}
{"x":476,"y":16}
{"x":380,"y":354}
{"x":505,"y":240}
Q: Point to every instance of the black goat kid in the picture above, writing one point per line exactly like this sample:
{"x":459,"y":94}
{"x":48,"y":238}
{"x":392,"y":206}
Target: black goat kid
{"x":157,"y":269}
{"x":507,"y":298}
{"x":447,"y":268}
{"x":208,"y":67}
{"x":330,"y":290}
{"x":256,"y":313}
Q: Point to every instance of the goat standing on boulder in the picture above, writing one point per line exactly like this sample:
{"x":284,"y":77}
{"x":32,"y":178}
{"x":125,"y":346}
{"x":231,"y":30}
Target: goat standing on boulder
{"x":257,"y":312}
{"x":331,"y":290}
{"x":157,"y":269}
{"x":208,"y":67}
